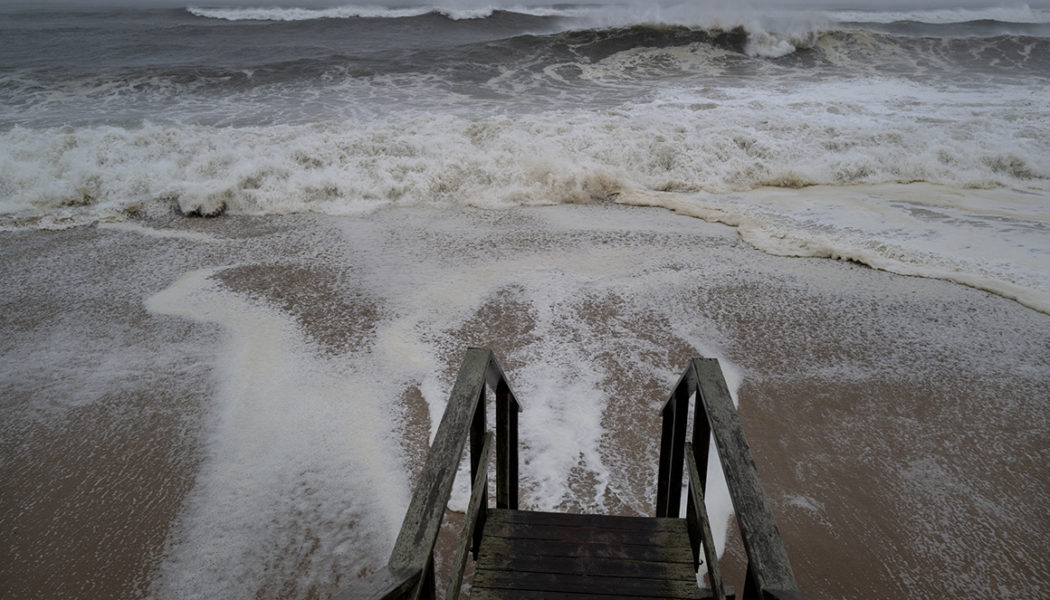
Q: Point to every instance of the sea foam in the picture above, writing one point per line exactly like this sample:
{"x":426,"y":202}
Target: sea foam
{"x":700,"y":149}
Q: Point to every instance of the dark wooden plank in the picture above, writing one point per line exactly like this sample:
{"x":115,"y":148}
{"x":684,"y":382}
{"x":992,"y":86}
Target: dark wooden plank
{"x":578,"y":551}
{"x":503,"y":481}
{"x":576,"y":520}
{"x":606,"y":566}
{"x":512,"y":445}
{"x":673,"y":415}
{"x":674,"y":483}
{"x":767,"y":558}
{"x":512,"y":594}
{"x":588,"y":535}
{"x":701,"y":442}
{"x":585,"y":584}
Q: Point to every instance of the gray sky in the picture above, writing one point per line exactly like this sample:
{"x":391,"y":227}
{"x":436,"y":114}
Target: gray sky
{"x":714,"y":4}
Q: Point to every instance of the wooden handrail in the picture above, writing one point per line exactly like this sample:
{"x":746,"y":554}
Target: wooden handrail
{"x":409,"y":570}
{"x":769,"y":572}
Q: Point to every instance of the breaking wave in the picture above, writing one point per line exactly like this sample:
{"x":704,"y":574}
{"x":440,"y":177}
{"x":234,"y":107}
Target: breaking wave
{"x":1002,"y":14}
{"x":373,"y":12}
{"x":719,"y":141}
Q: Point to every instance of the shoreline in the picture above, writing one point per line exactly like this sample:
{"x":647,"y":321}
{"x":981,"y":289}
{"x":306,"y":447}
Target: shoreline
{"x":896,"y":422}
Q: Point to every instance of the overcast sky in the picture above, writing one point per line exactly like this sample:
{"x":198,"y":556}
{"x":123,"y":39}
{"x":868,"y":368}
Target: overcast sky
{"x":849,"y":4}
{"x":714,"y":5}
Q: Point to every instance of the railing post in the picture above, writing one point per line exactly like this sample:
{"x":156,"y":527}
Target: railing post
{"x":512,"y":446}
{"x":409,"y":573}
{"x":674,"y":482}
{"x":701,"y":441}
{"x":699,"y":524}
{"x":700,"y":448}
{"x":664,"y":473}
{"x":506,"y":447}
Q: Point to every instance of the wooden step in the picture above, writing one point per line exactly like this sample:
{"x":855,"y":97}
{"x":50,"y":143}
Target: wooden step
{"x":527,"y":554}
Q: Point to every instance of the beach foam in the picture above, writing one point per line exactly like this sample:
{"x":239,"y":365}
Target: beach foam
{"x":290,"y":439}
{"x":311,"y":334}
{"x":294,"y":434}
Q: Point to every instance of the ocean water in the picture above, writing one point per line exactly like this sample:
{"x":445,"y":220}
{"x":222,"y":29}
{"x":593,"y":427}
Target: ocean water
{"x":908,"y":135}
{"x":349,"y":148}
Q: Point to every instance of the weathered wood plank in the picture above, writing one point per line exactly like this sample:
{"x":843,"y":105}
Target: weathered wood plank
{"x":590,"y":584}
{"x":580,"y":551}
{"x":474,"y":508}
{"x":494,"y":375}
{"x":512,"y":594}
{"x":767,"y":558}
{"x":578,"y":520}
{"x":606,"y":566}
{"x":587,"y":535}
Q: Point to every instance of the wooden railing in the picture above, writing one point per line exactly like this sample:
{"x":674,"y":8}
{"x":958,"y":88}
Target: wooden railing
{"x":769,"y":574}
{"x":409,"y":573}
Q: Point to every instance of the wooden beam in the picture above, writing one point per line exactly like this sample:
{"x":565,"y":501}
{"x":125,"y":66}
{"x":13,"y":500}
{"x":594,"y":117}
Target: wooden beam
{"x":494,"y":375}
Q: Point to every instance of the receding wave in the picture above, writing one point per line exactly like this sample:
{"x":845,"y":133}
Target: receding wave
{"x":371,"y":12}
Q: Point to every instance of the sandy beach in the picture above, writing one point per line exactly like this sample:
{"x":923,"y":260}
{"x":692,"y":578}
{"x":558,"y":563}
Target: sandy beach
{"x":235,"y":407}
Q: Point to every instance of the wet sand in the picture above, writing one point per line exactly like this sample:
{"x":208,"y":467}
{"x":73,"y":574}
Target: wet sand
{"x":900,"y":425}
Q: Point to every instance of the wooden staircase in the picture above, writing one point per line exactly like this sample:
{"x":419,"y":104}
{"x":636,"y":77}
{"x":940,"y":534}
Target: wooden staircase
{"x":524,"y":554}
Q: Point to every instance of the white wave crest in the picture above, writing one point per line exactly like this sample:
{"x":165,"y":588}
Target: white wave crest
{"x":720,"y":141}
{"x":701,"y":148}
{"x":1004,"y":14}
{"x":305,"y":14}
{"x":371,"y":12}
